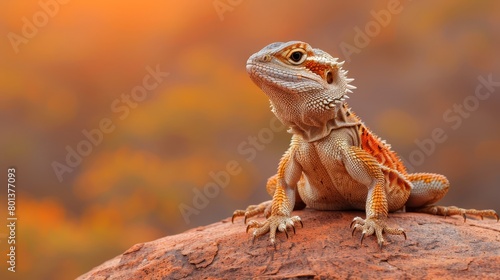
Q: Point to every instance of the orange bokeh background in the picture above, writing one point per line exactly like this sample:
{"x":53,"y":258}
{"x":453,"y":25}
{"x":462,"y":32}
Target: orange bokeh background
{"x":87,"y":55}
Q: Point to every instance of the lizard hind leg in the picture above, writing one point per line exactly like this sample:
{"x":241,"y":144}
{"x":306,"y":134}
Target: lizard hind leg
{"x":262,"y":208}
{"x":453,"y":210}
{"x":428,"y":188}
{"x":254,"y":210}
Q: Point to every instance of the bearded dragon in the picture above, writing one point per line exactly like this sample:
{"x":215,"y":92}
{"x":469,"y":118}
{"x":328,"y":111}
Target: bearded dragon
{"x":334,"y":161}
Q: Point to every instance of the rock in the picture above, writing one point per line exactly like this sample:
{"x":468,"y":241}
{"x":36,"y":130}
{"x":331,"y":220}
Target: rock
{"x":436,"y":247}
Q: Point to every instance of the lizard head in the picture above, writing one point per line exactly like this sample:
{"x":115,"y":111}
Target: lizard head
{"x":304,"y":85}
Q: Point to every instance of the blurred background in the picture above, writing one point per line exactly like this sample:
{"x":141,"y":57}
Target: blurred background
{"x":115,"y":114}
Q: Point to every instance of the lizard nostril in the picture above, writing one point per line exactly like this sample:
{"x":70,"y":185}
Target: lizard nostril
{"x":266,"y":58}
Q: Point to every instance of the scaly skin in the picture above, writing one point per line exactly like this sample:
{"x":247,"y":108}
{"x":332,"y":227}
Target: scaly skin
{"x":334,"y":161}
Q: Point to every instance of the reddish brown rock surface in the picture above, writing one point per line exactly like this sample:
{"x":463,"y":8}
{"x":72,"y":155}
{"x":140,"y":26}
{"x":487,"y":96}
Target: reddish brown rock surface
{"x":323,"y":249}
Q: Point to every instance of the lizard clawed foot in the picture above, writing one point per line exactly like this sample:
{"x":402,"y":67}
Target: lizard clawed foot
{"x":273,"y":223}
{"x":377,"y":226}
{"x":453,"y":210}
{"x":253,"y":210}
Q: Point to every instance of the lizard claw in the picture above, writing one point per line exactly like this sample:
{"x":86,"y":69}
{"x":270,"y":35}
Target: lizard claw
{"x":357,"y":221}
{"x":373,"y":225}
{"x":252,"y":210}
{"x":272,"y":224}
{"x":237,"y":213}
{"x":362,"y":237}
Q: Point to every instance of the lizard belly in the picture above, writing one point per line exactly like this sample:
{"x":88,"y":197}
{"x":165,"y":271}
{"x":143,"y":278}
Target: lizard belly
{"x":333,"y":189}
{"x":327,"y":184}
{"x":338,"y":192}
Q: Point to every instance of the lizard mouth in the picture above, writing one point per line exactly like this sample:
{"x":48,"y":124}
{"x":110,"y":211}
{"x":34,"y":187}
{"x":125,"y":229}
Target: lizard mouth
{"x":249,"y":67}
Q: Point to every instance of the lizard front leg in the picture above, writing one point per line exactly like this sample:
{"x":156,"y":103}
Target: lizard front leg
{"x":265,"y":207}
{"x":283,"y":202}
{"x":365,"y":169}
{"x":280,"y":218}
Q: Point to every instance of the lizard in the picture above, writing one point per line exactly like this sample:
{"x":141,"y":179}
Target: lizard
{"x":334,"y":162}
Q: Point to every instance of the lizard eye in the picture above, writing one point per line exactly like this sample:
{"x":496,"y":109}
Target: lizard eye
{"x":297,"y":56}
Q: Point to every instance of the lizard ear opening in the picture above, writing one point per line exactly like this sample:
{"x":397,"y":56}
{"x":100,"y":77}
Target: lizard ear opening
{"x":329,"y":77}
